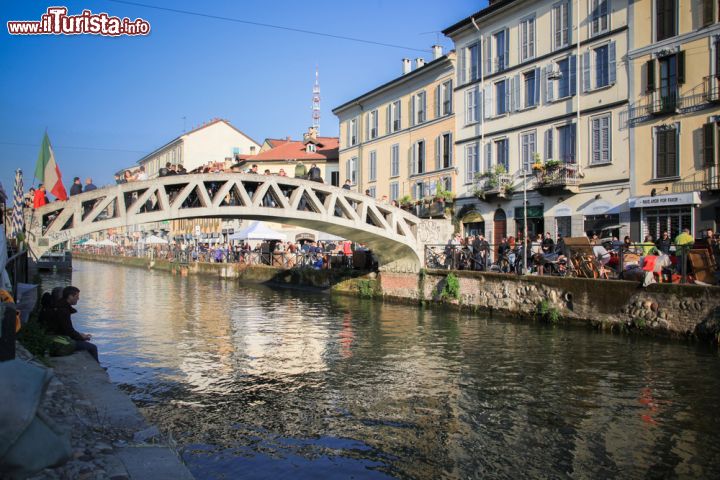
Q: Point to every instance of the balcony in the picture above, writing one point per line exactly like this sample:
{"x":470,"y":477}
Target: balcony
{"x":496,"y":183}
{"x":558,"y":178}
{"x":704,"y":95}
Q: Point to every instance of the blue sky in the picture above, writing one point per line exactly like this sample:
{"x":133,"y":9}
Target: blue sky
{"x":105,"y":102}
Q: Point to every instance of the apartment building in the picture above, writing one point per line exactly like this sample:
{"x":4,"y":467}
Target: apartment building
{"x":397,"y":139}
{"x":539,"y":100}
{"x":674,"y":64}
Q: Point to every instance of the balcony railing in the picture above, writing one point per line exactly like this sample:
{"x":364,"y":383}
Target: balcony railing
{"x":562,"y":176}
{"x":657,"y":104}
{"x":495,"y":184}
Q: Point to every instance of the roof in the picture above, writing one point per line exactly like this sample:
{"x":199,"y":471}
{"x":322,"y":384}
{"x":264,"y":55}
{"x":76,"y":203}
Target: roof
{"x":194,"y":130}
{"x":274,"y":142}
{"x":477,"y":15}
{"x":402,"y":78}
{"x":295,"y":150}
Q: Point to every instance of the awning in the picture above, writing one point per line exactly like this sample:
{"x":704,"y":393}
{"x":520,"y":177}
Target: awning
{"x":473,"y":217}
{"x":690,"y":198}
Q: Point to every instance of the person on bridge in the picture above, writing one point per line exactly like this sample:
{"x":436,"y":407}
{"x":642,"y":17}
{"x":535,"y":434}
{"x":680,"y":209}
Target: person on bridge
{"x":141,"y":175}
{"x":60,"y":323}
{"x":89,"y":185}
{"x":76,"y":187}
{"x":300,"y":170}
{"x":315,"y":174}
{"x":39,"y":198}
{"x":347,"y":185}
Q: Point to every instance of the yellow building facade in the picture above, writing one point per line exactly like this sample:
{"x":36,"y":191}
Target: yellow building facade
{"x":397,"y":140}
{"x":673,"y":116}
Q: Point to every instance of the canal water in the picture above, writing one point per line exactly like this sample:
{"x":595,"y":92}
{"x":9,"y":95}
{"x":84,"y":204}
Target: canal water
{"x":254,"y":382}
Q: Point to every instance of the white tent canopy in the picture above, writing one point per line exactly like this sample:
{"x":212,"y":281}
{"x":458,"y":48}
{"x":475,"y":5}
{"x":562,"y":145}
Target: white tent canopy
{"x":329,"y":237}
{"x":90,"y":243}
{"x":155,"y":240}
{"x":106,"y":243}
{"x":257,"y":231}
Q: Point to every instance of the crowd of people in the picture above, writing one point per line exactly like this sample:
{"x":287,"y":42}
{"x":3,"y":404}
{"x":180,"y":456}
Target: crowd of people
{"x":667,"y":257}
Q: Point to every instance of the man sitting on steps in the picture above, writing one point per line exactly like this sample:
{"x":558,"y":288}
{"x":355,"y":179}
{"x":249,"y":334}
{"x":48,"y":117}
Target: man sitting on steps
{"x":59,"y":322}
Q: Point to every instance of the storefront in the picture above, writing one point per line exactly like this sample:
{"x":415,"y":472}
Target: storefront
{"x":535,"y":218}
{"x":652,"y":215}
{"x":473,"y":224}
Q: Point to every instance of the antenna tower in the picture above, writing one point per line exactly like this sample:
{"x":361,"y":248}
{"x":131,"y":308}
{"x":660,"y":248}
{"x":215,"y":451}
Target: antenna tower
{"x":316,"y":102}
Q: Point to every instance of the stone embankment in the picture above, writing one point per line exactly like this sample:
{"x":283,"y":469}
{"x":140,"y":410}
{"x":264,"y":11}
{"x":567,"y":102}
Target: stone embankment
{"x":660,"y":309}
{"x":110,"y":439}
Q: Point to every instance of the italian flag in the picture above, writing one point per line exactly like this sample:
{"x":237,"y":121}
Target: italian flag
{"x":47,"y":171}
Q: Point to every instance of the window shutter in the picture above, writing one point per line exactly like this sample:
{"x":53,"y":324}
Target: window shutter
{"x":438,"y":154}
{"x":572,"y":66}
{"x":707,"y":12}
{"x":680,"y":67}
{"x":611,"y":63}
{"x":367,"y":126}
{"x":516,"y":93}
{"x":650,"y":76}
{"x":548,"y":144}
{"x":671,"y":152}
{"x":411,"y":159}
{"x":709,"y":144}
{"x":661,"y":152}
{"x":424,"y":106}
{"x":438,"y":101}
{"x":549,"y":84}
{"x":569,"y":17}
{"x":388,"y":118}
{"x":595,"y":158}
{"x":450,"y":149}
{"x":487,"y":52}
{"x":487,"y":102}
{"x":468,"y":165}
{"x":506,"y":53}
{"x":508,"y":94}
{"x":538,"y":78}
{"x":586,"y":71}
{"x":461,"y":65}
{"x":488,"y":157}
{"x":450,"y":96}
{"x":531,"y":38}
{"x":605,"y":144}
{"x":412,"y":110}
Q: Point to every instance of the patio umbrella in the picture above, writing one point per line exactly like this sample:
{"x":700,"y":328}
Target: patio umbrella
{"x":155,"y":240}
{"x":106,"y":243}
{"x":90,"y":243}
{"x":18,"y":222}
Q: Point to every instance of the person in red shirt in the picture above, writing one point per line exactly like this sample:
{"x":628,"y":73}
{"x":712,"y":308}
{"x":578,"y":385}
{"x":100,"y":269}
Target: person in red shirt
{"x":39,"y":199}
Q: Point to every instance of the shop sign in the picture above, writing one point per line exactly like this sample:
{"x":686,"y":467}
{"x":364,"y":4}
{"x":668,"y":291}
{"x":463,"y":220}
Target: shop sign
{"x":691,"y":198}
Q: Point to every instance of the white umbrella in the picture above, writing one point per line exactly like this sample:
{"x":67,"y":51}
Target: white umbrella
{"x":155,"y":240}
{"x":90,"y":243}
{"x":106,"y":243}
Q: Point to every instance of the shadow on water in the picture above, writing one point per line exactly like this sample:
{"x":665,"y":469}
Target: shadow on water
{"x":255,"y":382}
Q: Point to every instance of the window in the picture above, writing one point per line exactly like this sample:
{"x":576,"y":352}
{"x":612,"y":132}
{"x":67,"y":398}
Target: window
{"x":351,"y":168}
{"x":446,"y":150}
{"x":472,"y":106}
{"x":566,"y":143}
{"x":473,"y":53}
{"x":373,"y":125}
{"x":561,"y":79}
{"x":666,"y":153}
{"x":599,"y":16}
{"x":527,"y":39}
{"x":561,"y":25}
{"x":501,"y":97}
{"x":394,"y":191}
{"x":564,"y":81}
{"x":707,"y":11}
{"x":352,"y":132}
{"x":372,"y":174}
{"x":393,"y":117}
{"x":665,"y":21}
{"x":444,"y":99}
{"x":531,"y":88}
{"x":418,"y":157}
{"x":669,"y":82}
{"x":395,"y":160}
{"x":501,"y":153}
{"x":371,"y":192}
{"x":527,"y":150}
{"x":418,"y":106}
{"x":472,"y":162}
{"x":501,"y":51}
{"x":598,"y":67}
{"x":335,"y":178}
{"x":600,"y":140}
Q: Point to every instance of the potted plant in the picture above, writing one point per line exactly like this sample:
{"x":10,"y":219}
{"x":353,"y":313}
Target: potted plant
{"x":405,"y":202}
{"x":537,"y":165}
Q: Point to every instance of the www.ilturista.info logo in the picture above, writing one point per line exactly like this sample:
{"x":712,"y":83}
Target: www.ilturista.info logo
{"x":57,"y":22}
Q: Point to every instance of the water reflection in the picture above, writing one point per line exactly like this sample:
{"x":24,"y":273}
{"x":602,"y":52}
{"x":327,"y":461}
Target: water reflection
{"x":276,"y":383}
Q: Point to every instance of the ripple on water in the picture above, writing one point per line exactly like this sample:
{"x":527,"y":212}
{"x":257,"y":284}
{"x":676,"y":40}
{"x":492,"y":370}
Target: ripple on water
{"x":262,"y":383}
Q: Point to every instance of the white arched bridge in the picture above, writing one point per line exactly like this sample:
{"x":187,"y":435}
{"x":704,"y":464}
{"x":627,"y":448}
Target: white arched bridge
{"x":395,"y":236}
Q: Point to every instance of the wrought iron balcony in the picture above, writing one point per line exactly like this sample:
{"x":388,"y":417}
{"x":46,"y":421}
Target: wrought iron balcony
{"x":495,"y":184}
{"x":711,"y":84}
{"x":561,"y":177}
{"x":656,"y":104}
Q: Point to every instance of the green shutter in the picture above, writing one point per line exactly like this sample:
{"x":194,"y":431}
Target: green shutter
{"x":661,"y":159}
{"x":681,"y":67}
{"x":650,"y":76}
{"x":709,"y":144}
{"x":707,"y":12}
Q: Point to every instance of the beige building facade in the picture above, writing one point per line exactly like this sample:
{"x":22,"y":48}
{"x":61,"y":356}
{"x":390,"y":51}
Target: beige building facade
{"x":673,"y":116}
{"x":397,"y":140}
{"x":541,"y":91}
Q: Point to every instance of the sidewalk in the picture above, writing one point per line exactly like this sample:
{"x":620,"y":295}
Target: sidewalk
{"x":109,"y":436}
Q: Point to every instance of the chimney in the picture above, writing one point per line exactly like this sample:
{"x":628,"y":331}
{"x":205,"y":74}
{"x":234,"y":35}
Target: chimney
{"x":437,"y":51}
{"x":419,"y":62}
{"x":406,"y":65}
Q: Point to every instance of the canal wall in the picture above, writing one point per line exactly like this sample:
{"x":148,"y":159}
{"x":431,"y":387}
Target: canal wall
{"x":660,"y":309}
